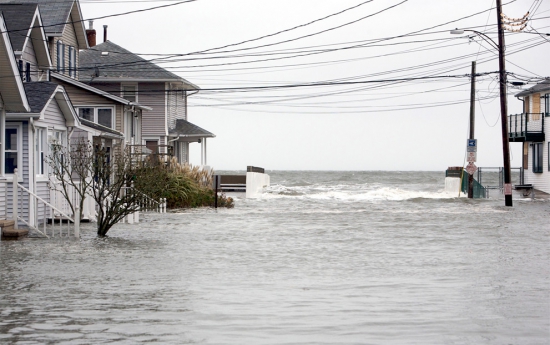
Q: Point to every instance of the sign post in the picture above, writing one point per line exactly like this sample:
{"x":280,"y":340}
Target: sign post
{"x":471,"y":156}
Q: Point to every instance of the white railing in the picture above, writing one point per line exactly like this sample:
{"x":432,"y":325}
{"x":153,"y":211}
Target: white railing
{"x":31,"y":217}
{"x":3,"y":200}
{"x":57,"y":198}
{"x":146,"y":203}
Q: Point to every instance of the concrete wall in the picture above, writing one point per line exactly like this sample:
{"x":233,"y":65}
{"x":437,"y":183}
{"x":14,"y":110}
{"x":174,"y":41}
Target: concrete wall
{"x":255,"y":183}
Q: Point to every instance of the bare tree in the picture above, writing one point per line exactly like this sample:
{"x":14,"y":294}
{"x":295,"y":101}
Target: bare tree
{"x":70,"y":169}
{"x":95,"y":172}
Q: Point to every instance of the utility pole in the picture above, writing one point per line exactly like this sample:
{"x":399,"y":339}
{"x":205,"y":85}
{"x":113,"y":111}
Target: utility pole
{"x":472,"y":124}
{"x":504,"y":110}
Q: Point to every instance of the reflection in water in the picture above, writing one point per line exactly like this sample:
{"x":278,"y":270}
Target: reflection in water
{"x":348,"y":258}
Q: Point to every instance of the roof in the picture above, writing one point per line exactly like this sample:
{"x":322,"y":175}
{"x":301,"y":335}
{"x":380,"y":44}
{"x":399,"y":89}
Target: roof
{"x":109,"y":132}
{"x":540,"y":87}
{"x":39,"y":93}
{"x":187,"y":129}
{"x":19,"y":20}
{"x":54,"y":12}
{"x":110,"y":61}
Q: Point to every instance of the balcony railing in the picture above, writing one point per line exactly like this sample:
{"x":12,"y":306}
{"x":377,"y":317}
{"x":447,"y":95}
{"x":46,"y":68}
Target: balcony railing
{"x":526,"y":127}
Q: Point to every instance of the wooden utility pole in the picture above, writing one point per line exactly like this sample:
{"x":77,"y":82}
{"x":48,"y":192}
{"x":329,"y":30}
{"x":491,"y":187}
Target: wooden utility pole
{"x":504,"y":110}
{"x":472,"y":124}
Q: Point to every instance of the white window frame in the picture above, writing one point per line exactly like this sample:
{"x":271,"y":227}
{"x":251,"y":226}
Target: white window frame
{"x":19,"y":151}
{"x":41,"y":146}
{"x":72,"y":62}
{"x":96,"y":108}
{"x":60,"y":56}
{"x":537,"y":154}
{"x":122,"y":91}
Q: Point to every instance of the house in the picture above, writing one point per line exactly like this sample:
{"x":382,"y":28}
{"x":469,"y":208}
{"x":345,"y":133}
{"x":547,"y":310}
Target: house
{"x":531,"y":128}
{"x":166,"y":129}
{"x":35,"y":113}
{"x":64,"y":29}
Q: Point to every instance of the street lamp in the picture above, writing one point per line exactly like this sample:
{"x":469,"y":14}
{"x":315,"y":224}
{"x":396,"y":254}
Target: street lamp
{"x":503,"y":101}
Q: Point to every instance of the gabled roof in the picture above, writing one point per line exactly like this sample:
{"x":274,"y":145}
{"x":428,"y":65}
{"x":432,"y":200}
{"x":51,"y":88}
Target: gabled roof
{"x":57,"y":13}
{"x":19,"y":20}
{"x":24,"y":26}
{"x":39,"y":94}
{"x":186,"y":129}
{"x":12,"y":92}
{"x":540,"y":87}
{"x":110,"y":62}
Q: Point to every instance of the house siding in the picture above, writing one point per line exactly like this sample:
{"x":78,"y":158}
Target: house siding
{"x":81,"y":97}
{"x":28,"y":55}
{"x":53,"y":116}
{"x":541,"y":181}
{"x":69,"y":39}
{"x":154,"y":121}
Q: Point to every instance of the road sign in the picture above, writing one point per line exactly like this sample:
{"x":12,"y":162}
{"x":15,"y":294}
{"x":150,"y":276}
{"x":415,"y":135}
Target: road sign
{"x":472,"y":145}
{"x":471,"y":157}
{"x":471,"y":168}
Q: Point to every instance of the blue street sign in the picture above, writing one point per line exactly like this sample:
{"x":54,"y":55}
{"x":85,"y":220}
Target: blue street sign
{"x":472,"y":142}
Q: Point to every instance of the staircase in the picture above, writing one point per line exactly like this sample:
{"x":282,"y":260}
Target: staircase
{"x":8,"y":232}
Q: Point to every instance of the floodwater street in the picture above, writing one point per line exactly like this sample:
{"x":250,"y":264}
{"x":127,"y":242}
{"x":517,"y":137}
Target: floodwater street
{"x":351,"y":258}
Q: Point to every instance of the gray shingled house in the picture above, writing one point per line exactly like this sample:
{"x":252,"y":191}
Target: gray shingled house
{"x":166,"y":129}
{"x":64,"y":31}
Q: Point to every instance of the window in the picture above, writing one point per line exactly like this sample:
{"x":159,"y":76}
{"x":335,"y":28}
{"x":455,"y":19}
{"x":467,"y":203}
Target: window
{"x":547,"y":104}
{"x":72,"y":62}
{"x":20,"y":65}
{"x":60,"y":57}
{"x":12,"y":154}
{"x":537,"y":157}
{"x":59,"y":138}
{"x":152,"y":145}
{"x":40,"y":152}
{"x":129,"y":92}
{"x":102,"y":116}
{"x":28,"y":72}
{"x":86,"y":113}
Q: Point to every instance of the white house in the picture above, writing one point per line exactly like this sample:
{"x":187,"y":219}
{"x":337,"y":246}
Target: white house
{"x":531,"y":128}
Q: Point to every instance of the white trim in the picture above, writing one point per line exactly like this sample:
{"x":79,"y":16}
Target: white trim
{"x":134,"y":84}
{"x":96,"y":107}
{"x":19,"y":127}
{"x":13,"y":63}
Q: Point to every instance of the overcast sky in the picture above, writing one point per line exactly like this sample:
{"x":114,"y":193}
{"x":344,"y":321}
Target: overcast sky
{"x":381,"y":122}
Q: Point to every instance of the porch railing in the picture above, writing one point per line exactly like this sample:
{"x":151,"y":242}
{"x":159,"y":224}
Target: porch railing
{"x":40,"y":212}
{"x":522,"y":125}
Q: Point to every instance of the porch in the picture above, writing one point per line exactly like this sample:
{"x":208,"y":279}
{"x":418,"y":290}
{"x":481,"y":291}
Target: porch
{"x":526,"y":127}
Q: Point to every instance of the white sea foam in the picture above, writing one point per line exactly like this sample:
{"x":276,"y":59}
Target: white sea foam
{"x":352,"y":193}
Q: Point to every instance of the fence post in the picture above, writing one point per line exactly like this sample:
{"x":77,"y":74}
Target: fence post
{"x":77,"y":222}
{"x":15,"y":201}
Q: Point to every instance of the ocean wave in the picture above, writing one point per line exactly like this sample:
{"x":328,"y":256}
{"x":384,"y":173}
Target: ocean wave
{"x":352,"y":193}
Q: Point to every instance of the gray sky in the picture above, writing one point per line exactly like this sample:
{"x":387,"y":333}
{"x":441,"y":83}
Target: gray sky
{"x":370,"y":125}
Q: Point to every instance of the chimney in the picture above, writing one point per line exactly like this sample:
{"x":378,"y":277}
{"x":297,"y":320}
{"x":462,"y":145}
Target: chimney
{"x":90,"y":33}
{"x":104,"y":33}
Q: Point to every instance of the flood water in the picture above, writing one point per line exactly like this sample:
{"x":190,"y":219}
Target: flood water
{"x":320,"y":258}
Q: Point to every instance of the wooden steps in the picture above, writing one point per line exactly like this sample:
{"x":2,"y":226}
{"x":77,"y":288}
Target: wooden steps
{"x":8,"y":232}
